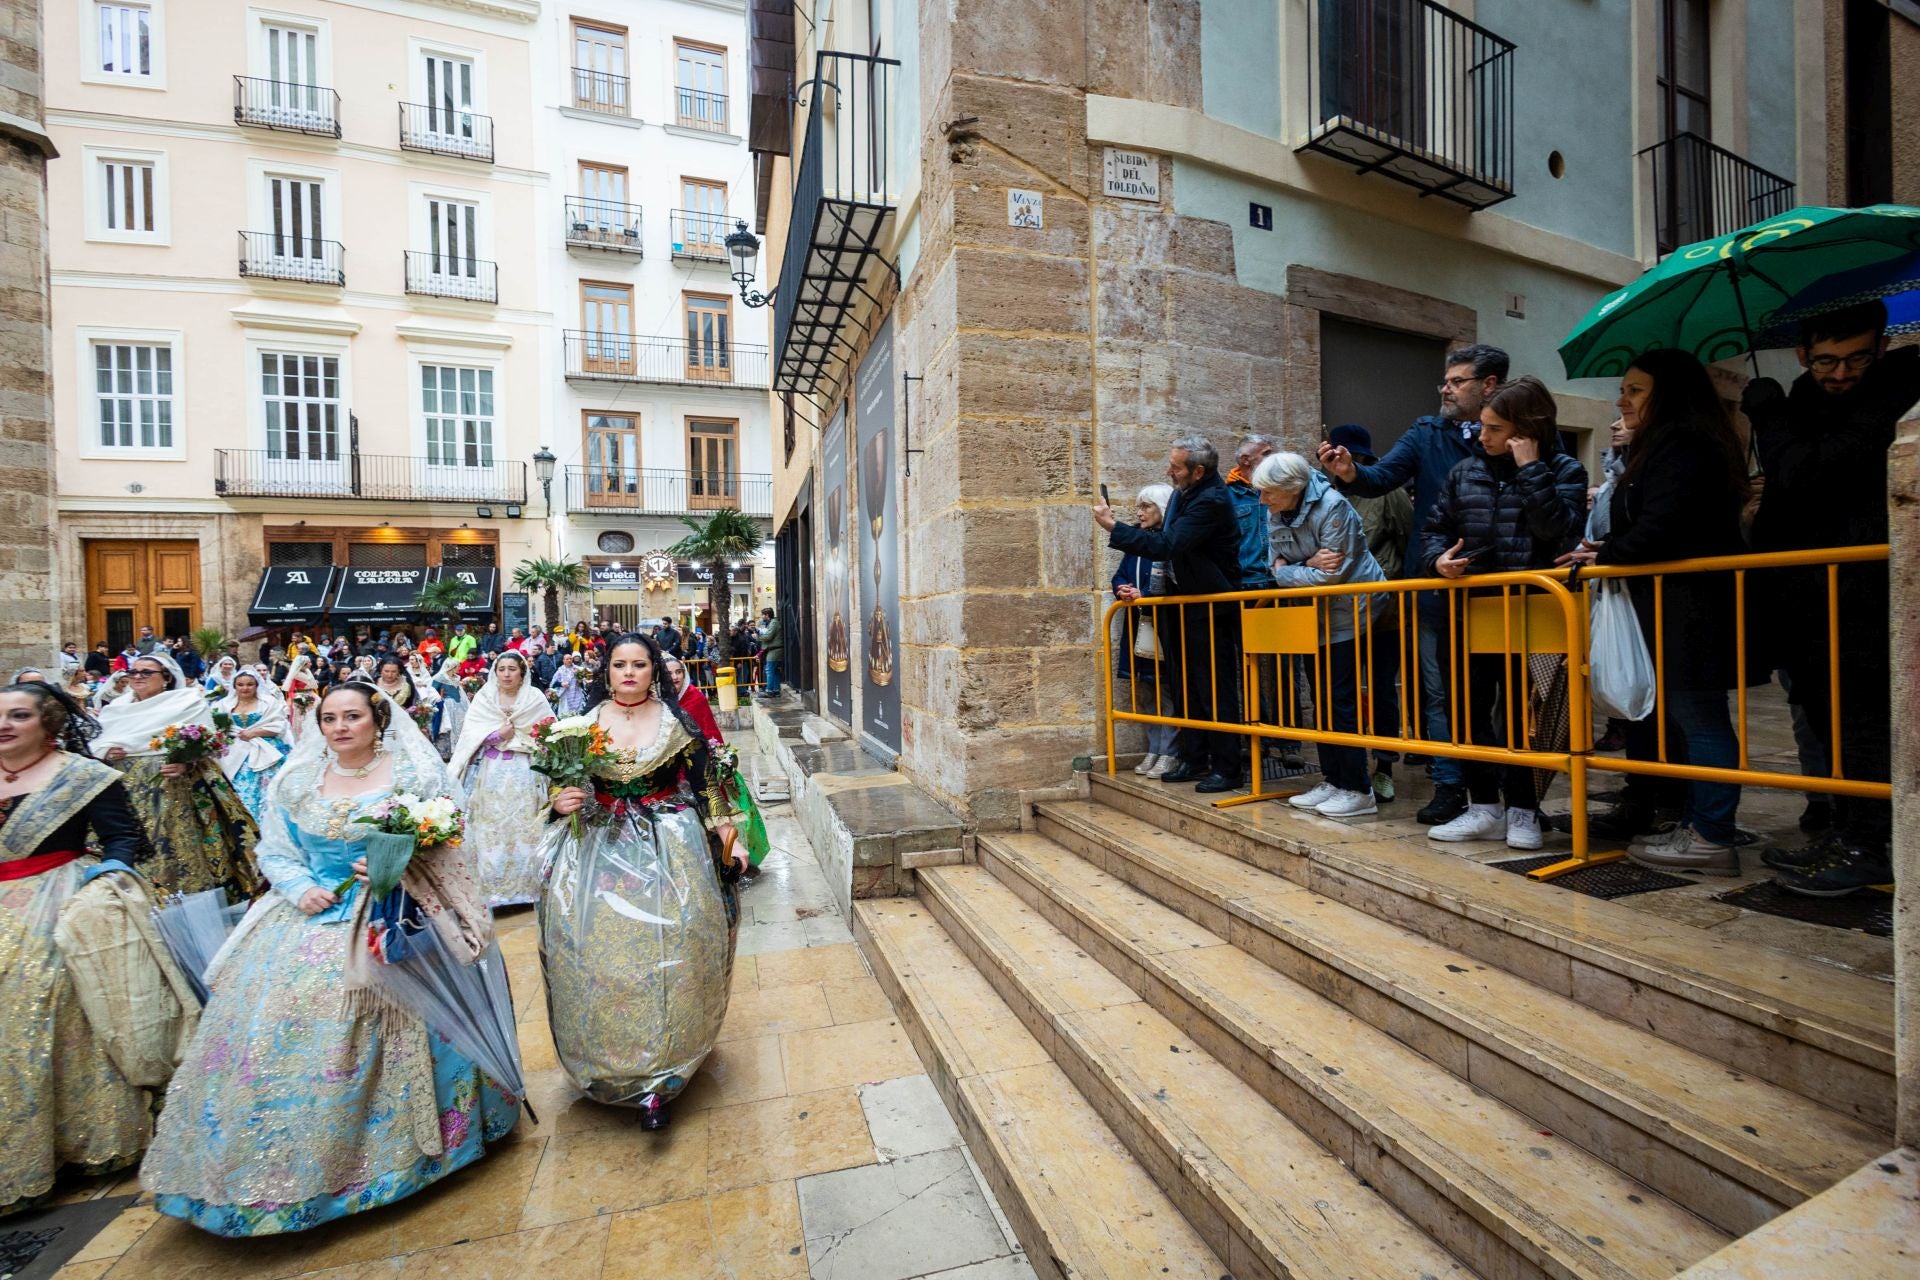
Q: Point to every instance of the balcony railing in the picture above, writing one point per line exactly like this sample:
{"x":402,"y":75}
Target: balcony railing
{"x":1411,"y":90}
{"x":441,"y":275}
{"x":843,"y":200}
{"x":696,"y":109}
{"x":650,"y":491}
{"x":592,"y":223}
{"x":446,"y":131}
{"x":601,"y":91}
{"x":1701,"y":191}
{"x":463,"y":475}
{"x":275,"y":255}
{"x":616,"y":357}
{"x":699,"y":237}
{"x":287,"y":106}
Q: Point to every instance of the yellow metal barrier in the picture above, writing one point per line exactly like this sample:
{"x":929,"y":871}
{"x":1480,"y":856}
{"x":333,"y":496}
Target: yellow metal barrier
{"x":1537,"y":613}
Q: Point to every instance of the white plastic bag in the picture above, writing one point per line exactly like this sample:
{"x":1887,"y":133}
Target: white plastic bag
{"x":1622,"y":679}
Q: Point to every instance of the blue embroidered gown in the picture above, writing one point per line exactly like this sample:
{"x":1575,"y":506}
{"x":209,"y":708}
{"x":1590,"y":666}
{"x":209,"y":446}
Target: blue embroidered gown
{"x":290,"y":1109}
{"x":251,"y":783}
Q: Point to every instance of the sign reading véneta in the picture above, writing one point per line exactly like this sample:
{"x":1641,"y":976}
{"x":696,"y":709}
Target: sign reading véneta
{"x":879,"y":539}
{"x":833,"y":465}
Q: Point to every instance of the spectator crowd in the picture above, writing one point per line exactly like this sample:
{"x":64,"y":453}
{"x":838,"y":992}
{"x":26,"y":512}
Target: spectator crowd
{"x":1491,"y":484}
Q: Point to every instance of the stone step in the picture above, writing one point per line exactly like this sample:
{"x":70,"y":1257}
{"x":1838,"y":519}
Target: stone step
{"x":1082,"y":1206}
{"x":1808,"y":1027}
{"x":1504,"y":1196}
{"x":1735,"y":1150}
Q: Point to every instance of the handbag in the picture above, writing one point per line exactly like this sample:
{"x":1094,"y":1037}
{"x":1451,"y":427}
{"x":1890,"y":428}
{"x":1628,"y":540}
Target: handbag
{"x":1146,"y":644}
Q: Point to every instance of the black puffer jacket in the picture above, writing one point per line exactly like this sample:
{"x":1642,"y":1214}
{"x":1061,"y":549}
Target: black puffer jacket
{"x":1516,"y":517}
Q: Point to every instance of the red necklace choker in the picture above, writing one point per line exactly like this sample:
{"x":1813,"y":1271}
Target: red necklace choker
{"x":618,"y":703}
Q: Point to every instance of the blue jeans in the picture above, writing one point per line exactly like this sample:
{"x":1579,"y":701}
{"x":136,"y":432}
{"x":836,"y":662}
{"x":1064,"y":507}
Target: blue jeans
{"x":772,"y":664}
{"x":1701,"y":717}
{"x":1432,"y":613}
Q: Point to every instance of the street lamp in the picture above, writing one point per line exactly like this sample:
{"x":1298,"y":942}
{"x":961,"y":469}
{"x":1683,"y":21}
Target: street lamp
{"x":543,"y":462}
{"x":743,"y":247}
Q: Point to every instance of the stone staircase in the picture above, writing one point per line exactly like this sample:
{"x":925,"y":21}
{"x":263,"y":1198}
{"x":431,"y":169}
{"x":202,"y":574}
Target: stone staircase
{"x":1190,"y":1042}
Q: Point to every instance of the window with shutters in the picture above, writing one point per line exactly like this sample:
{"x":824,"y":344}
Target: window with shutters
{"x":301,"y":394}
{"x":387,"y":555}
{"x":700,"y":92}
{"x":126,"y":195}
{"x":456,"y":404}
{"x":600,"y":68}
{"x":136,"y":396}
{"x":453,"y":247}
{"x":296,"y":555}
{"x":469,"y":555}
{"x":126,"y":48}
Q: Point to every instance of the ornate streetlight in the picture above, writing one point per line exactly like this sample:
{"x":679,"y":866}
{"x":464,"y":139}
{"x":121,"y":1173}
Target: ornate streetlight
{"x":743,"y":247}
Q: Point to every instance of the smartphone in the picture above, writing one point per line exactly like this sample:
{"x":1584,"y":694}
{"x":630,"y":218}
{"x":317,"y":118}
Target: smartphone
{"x":1471,"y":553}
{"x":1105,"y":501}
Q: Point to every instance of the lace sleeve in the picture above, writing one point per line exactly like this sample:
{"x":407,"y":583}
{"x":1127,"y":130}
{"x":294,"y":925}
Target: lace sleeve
{"x":280,"y":858}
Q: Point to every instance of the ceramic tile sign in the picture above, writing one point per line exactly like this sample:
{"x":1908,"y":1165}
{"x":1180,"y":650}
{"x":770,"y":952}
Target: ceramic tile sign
{"x":1132,"y":175}
{"x":1026,"y":209}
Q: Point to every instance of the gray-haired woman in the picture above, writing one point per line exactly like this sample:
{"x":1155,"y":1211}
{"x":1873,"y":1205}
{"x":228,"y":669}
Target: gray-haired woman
{"x":1138,"y":654}
{"x":1318,"y":539}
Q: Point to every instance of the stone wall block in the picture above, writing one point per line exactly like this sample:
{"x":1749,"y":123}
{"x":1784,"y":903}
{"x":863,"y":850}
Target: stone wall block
{"x":1116,"y":382}
{"x":980,"y":212}
{"x":1212,"y":395}
{"x":1132,"y":303}
{"x":1021,"y":292}
{"x":1128,"y":234}
{"x":995,"y":688}
{"x":1068,"y":537}
{"x":1070,"y":689}
{"x":1020,"y":39}
{"x":1017,"y":377}
{"x":1206,"y":311}
{"x":1149,"y":51}
{"x":1016,"y":459}
{"x":1042,"y":128}
{"x":999,"y":548}
{"x":934,"y":555}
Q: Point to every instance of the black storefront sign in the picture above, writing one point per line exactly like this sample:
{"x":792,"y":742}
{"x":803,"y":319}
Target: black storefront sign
{"x":482,"y":578}
{"x":378,"y":595}
{"x":291,"y":595}
{"x":515,"y":611}
{"x":703,"y":576}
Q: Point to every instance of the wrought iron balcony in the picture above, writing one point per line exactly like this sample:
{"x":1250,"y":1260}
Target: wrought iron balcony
{"x":654,"y":492}
{"x":1413,"y":91}
{"x":1701,"y":191}
{"x":617,"y":357}
{"x":287,"y":106}
{"x":843,"y":206}
{"x":275,"y":255}
{"x":446,"y":131}
{"x":464,"y":475}
{"x":695,"y":109}
{"x":592,"y":223}
{"x":601,"y":91}
{"x":699,"y":237}
{"x":443,"y":275}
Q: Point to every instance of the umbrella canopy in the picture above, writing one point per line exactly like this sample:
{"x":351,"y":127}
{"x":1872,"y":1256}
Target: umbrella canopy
{"x":1737,"y":293}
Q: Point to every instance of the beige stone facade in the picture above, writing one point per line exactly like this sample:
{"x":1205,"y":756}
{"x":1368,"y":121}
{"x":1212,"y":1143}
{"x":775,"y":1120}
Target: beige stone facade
{"x":28,"y":583}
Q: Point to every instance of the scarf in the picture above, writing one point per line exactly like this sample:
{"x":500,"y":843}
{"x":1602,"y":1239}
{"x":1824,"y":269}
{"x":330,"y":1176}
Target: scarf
{"x":256,"y":754}
{"x":75,"y":785}
{"x":132,"y":724}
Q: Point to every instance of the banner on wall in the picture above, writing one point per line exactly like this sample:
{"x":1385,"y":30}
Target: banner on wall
{"x":878,"y":537}
{"x":835,"y":604}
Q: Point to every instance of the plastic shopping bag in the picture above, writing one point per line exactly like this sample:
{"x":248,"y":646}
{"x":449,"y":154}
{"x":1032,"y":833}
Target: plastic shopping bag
{"x":1622,"y":679}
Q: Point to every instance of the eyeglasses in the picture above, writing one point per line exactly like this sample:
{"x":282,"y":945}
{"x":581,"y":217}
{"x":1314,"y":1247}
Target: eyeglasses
{"x":145,"y":675}
{"x":1454,"y":384}
{"x":1855,"y":362}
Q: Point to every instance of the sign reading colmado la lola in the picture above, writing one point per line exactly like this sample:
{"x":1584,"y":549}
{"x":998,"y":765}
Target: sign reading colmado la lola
{"x":1132,"y":175}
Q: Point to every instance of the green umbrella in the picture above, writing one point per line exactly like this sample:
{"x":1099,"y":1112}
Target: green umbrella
{"x":1713,"y":298}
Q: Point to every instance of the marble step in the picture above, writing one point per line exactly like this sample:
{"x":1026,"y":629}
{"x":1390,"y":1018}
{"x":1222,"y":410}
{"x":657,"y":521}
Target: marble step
{"x":1503,"y":1195}
{"x":1817,"y":1030}
{"x":1261,"y":1192}
{"x":1736,"y":1150}
{"x":1082,"y":1206}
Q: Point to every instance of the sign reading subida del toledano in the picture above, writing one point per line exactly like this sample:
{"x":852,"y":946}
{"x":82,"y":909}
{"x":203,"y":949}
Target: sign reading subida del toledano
{"x":1132,"y":175}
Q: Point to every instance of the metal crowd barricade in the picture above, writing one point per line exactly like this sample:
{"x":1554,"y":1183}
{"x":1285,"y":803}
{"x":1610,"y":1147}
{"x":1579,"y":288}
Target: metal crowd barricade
{"x":746,"y":672}
{"x":1537,"y":620}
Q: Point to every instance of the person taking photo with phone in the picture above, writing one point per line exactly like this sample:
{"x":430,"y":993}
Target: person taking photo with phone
{"x":1517,"y":502}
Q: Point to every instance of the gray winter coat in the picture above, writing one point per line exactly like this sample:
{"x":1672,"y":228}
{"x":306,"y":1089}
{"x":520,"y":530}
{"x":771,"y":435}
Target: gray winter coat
{"x":1324,"y":519}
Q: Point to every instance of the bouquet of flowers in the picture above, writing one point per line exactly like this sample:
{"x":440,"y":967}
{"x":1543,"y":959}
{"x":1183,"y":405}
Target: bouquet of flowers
{"x":423,"y":716}
{"x":400,"y":825}
{"x":471,"y":685}
{"x":187,"y":743}
{"x":553,"y":697}
{"x":303,"y":701}
{"x":566,"y":751}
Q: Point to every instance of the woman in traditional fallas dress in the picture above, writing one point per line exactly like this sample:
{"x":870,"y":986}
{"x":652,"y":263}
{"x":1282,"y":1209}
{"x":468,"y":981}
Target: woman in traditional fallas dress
{"x":260,"y":738}
{"x":202,"y":835}
{"x":638,"y":913}
{"x":63,"y":1102}
{"x":506,"y":799}
{"x":299,"y":1102}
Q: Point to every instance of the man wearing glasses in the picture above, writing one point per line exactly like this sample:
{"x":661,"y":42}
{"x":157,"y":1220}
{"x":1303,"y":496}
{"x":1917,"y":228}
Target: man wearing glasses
{"x":1823,"y":446}
{"x":1431,"y":448}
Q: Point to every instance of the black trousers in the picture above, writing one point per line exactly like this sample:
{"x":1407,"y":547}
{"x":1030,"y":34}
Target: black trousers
{"x":1866,"y":697}
{"x":1188,"y":634}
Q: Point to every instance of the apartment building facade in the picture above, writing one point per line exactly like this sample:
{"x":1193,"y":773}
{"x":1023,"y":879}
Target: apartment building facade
{"x":1081,"y":230}
{"x":659,"y":409}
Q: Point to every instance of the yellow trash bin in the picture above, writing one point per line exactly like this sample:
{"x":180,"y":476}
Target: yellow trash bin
{"x":726,"y":689}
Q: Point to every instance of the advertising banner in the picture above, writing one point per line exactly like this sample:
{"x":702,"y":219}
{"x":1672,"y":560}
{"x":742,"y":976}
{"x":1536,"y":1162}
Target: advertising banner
{"x":878,"y":536}
{"x":835,"y":604}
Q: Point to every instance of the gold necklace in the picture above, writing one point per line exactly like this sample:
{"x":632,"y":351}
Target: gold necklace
{"x":361,"y":772}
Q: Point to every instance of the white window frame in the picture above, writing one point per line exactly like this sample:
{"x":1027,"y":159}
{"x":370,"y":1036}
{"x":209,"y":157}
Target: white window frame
{"x":259,"y":199}
{"x":418,"y":51}
{"x":86,"y":338}
{"x":90,"y":72}
{"x":91,"y":159}
{"x":493,"y":420}
{"x":258,"y":20}
{"x":419,"y":237}
{"x":445,"y":355}
{"x":294,"y":343}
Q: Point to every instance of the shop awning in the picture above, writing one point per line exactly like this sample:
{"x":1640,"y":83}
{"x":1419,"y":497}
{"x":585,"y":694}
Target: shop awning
{"x":290,"y":595}
{"x":482,"y":578}
{"x":378,"y":595}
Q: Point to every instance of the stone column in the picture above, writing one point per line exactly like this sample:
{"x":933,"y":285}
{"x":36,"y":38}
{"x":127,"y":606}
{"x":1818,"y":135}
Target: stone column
{"x":27,"y":580}
{"x":1903,"y":496}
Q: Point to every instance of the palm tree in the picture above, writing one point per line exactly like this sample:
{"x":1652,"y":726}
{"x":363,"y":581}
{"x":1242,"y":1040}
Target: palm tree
{"x":724,"y":536}
{"x":445,"y":596}
{"x":208,"y":642}
{"x":551,"y":578}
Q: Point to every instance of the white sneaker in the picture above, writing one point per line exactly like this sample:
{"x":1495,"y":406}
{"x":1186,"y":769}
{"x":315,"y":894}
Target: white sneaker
{"x":1523,"y":828}
{"x":1162,"y":766}
{"x":1145,"y":767}
{"x":1348,"y":804}
{"x":1315,"y":798}
{"x":1479,"y":822}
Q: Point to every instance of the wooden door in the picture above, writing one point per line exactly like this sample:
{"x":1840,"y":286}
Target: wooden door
{"x":136,"y":584}
{"x":606,"y":315}
{"x":613,"y":459}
